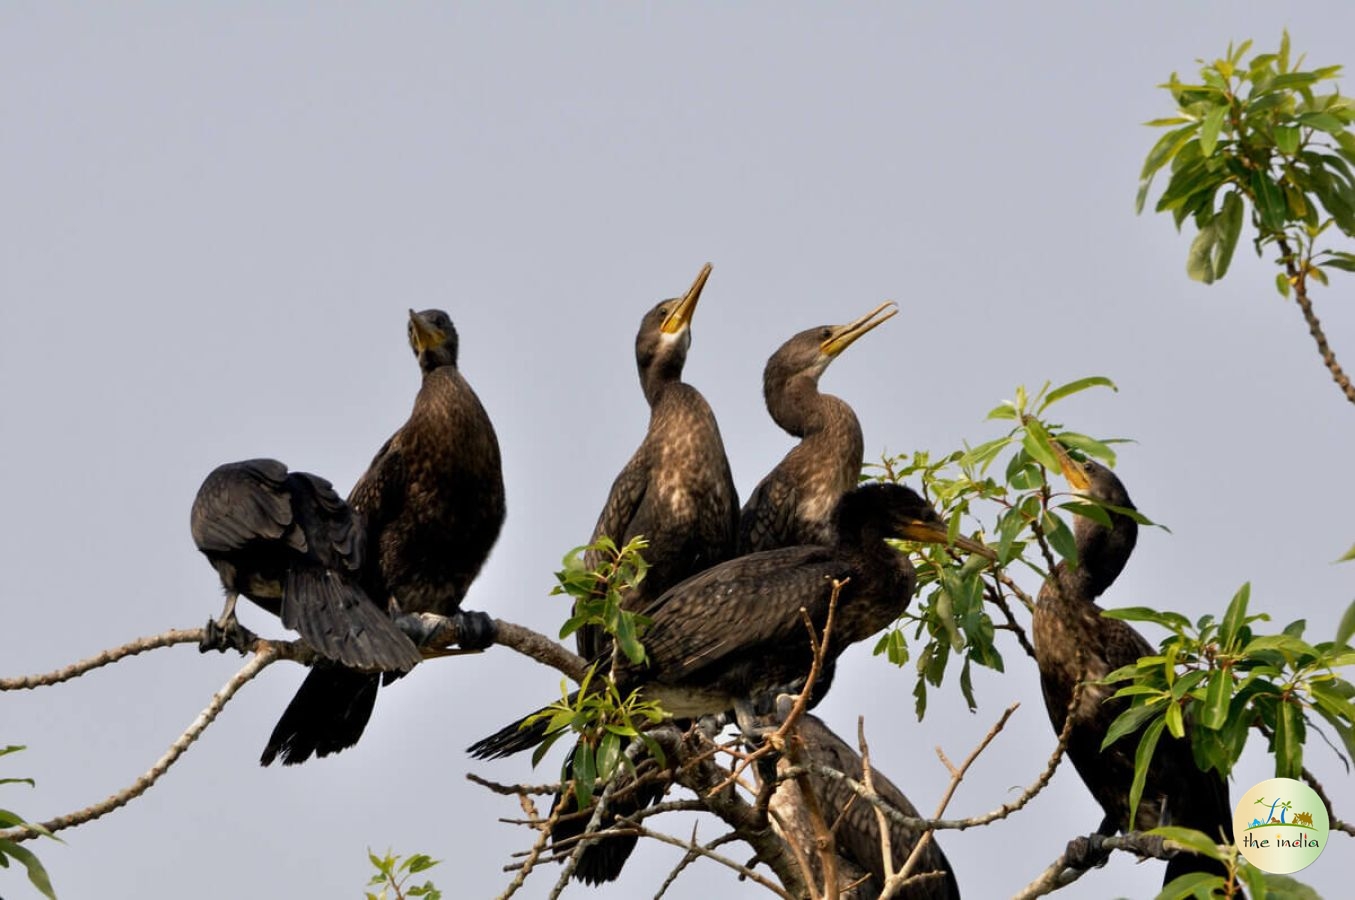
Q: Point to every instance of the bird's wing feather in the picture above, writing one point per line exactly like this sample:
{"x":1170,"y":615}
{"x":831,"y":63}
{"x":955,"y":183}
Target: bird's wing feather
{"x":767,"y":516}
{"x":243,"y":502}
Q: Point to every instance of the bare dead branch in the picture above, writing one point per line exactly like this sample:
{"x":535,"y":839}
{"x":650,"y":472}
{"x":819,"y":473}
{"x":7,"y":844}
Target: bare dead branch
{"x":104,"y":658}
{"x":1060,"y":874}
{"x":261,"y":660}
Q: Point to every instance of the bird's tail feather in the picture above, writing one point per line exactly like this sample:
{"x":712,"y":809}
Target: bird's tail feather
{"x":513,"y":738}
{"x":336,"y":617}
{"x":602,"y":861}
{"x":328,"y":714}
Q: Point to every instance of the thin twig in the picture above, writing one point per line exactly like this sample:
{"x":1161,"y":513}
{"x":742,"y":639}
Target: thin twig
{"x":261,"y":660}
{"x":1299,"y":279}
{"x":104,"y":658}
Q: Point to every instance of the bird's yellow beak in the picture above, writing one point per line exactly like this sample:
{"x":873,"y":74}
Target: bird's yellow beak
{"x":935,"y":533}
{"x":1073,"y":470}
{"x":681,"y":316}
{"x":423,"y":334}
{"x":843,"y":336}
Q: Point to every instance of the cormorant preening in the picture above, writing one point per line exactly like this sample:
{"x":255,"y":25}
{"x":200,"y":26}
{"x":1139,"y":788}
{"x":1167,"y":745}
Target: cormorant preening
{"x":856,"y":826}
{"x":735,"y":632}
{"x":432,"y":502}
{"x":794,"y":504}
{"x":677,"y":489}
{"x":1075,"y":644}
{"x":289,"y":543}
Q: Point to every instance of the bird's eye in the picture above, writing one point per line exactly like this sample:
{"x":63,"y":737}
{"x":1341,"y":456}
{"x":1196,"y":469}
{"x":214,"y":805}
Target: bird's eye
{"x":826,"y":333}
{"x":663,"y":311}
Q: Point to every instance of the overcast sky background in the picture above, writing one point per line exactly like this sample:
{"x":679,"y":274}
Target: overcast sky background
{"x":212,"y":222}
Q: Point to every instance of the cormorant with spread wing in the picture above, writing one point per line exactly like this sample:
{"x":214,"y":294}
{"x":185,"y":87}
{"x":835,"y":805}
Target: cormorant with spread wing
{"x":432,"y":502}
{"x":735,"y":632}
{"x":289,"y":543}
{"x":794,"y":504}
{"x":855,"y":824}
{"x":677,"y":489}
{"x":1075,"y":644}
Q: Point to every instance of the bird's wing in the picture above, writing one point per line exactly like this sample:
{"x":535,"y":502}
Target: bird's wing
{"x":337,"y":535}
{"x":243,"y":502}
{"x":737,"y":607}
{"x":624,"y":499}
{"x":768,"y":516}
{"x":381,"y":488}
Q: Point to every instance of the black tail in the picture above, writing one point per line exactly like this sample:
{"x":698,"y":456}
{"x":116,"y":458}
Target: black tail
{"x":514,"y":738}
{"x":602,"y":861}
{"x":337,"y":619}
{"x":328,"y":714}
{"x":1207,"y":809}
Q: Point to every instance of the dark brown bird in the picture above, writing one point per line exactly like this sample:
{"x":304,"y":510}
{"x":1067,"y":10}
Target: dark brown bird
{"x":1075,"y":644}
{"x":856,"y":825}
{"x":794,"y":504}
{"x":735,"y":632}
{"x":677,"y":489}
{"x":289,"y":543}
{"x":433,"y":504}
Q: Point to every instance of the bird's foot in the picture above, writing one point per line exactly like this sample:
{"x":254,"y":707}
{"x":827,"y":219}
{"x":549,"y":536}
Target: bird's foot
{"x":227,"y":634}
{"x":476,"y":629}
{"x":711,"y":726}
{"x":1087,"y":852}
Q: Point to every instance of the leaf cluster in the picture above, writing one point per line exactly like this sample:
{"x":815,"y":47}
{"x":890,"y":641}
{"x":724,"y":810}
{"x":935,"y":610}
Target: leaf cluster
{"x":1257,"y":135}
{"x":604,"y":720}
{"x":1240,"y":872}
{"x":999,"y":489}
{"x":1223,"y":678}
{"x":393,"y":873}
{"x":37,"y":874}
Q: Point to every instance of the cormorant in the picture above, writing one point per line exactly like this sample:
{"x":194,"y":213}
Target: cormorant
{"x":289,"y":543}
{"x":677,"y":489}
{"x":736,"y":632}
{"x":432,"y":502}
{"x":794,"y":504}
{"x":856,"y":826}
{"x":1075,"y":644}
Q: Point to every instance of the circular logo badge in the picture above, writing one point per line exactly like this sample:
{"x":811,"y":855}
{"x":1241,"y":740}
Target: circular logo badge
{"x":1280,"y":825}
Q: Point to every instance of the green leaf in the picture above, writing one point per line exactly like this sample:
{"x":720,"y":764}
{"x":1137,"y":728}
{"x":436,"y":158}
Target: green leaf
{"x":1288,"y":741}
{"x":1074,"y":387}
{"x":1349,"y":555}
{"x":1167,"y":619}
{"x":1128,"y":722}
{"x":1209,"y":129}
{"x":1217,"y":696}
{"x":1039,"y":445}
{"x":1142,"y":758}
{"x":1090,"y":446}
{"x":585,"y":773}
{"x":1282,"y":283}
{"x":1347,"y":626}
{"x":1287,"y":138}
{"x":1198,"y":841}
{"x":1199,"y":259}
{"x":1166,"y":147}
{"x":1269,"y":201}
{"x":1060,"y":536}
{"x":1229,"y":225}
{"x":1323,"y":122}
{"x":37,"y":875}
{"x":1235,"y":616}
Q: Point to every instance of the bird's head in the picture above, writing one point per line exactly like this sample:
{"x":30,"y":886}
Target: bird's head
{"x":809,"y":352}
{"x":665,"y":334}
{"x":432,"y":336}
{"x":892,"y":510}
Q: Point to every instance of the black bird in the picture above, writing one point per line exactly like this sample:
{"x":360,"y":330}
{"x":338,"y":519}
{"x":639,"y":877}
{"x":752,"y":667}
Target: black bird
{"x":856,"y":826}
{"x":289,"y":543}
{"x":432,"y":501}
{"x":794,"y":504}
{"x":735,"y":632}
{"x":1075,"y":644}
{"x":677,"y":489}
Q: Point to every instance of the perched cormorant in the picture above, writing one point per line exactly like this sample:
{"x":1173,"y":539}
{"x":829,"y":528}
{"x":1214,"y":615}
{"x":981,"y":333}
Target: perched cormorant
{"x":1075,"y":644}
{"x":677,"y":489}
{"x":794,"y":504}
{"x":289,"y":543}
{"x":855,"y":823}
{"x":432,"y":501}
{"x":735,"y":632}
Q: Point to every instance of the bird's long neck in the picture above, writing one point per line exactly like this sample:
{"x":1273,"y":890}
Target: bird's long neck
{"x":1101,"y":553}
{"x":801,"y":410}
{"x":661,"y":370}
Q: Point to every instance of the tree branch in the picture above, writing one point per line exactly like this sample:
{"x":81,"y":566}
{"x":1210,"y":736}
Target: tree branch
{"x":261,"y":660}
{"x":1298,"y":278}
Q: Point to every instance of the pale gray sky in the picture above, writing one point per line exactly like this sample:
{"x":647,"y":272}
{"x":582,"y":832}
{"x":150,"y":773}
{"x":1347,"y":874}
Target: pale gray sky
{"x":214,"y":220}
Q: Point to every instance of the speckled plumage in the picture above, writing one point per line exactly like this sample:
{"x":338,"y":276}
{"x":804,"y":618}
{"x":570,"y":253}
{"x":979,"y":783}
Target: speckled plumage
{"x":1074,"y":643}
